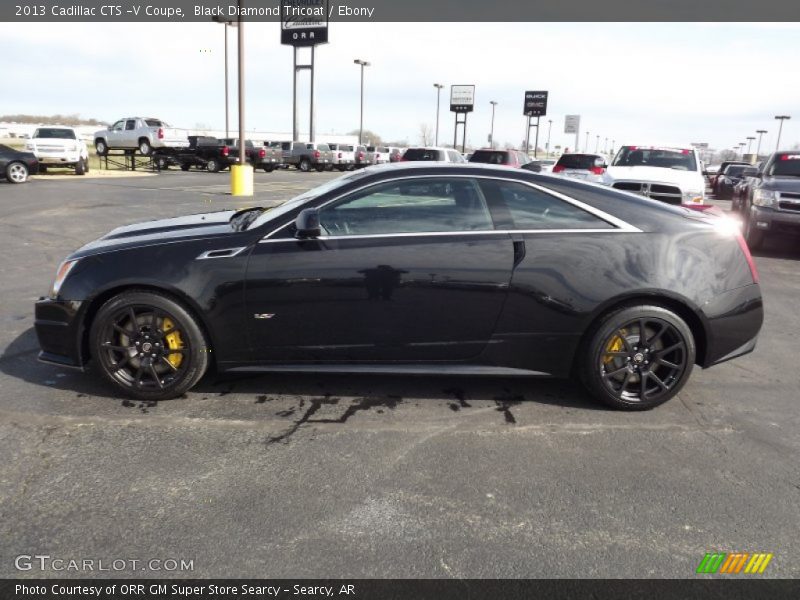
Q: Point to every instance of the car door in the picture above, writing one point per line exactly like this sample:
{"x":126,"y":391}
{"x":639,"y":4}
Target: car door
{"x":411,"y":270}
{"x":128,"y":137}
{"x":114,"y":135}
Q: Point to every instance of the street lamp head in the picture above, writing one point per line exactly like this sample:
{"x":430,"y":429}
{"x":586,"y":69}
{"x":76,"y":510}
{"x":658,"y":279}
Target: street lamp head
{"x":363,"y":63}
{"x":761,"y":131}
{"x":438,"y":85}
{"x":782,"y":117}
{"x":493,"y":103}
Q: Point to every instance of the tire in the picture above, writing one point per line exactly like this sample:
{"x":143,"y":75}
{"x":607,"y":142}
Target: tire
{"x":145,"y":149}
{"x":162,"y":163}
{"x":185,"y":166}
{"x":101,"y":147}
{"x":304,"y":165}
{"x":42,"y":169}
{"x":213,"y":165}
{"x":80,"y":168}
{"x":17,"y":172}
{"x":268,"y":168}
{"x":320,"y":168}
{"x":754,"y":237}
{"x":149,"y":363}
{"x":613,"y":364}
{"x":86,"y":165}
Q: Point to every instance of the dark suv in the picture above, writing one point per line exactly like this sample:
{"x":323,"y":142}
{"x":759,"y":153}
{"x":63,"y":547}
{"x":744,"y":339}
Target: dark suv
{"x":772,"y":203}
{"x":510,"y":158}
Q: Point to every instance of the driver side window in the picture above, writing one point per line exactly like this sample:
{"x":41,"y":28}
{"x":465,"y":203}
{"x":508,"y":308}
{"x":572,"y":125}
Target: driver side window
{"x":435,"y":204}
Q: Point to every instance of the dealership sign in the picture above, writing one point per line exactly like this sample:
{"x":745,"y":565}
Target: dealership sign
{"x":572,"y":123}
{"x":535,"y":104}
{"x":462,"y":98}
{"x":304,"y":22}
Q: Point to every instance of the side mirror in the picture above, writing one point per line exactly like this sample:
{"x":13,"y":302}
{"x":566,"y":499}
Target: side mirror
{"x":307,"y":224}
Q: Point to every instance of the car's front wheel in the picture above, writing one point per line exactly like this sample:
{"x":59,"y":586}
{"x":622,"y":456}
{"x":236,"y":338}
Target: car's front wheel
{"x":753,"y":236}
{"x":17,"y":172}
{"x":637,"y":357}
{"x":148,"y":345}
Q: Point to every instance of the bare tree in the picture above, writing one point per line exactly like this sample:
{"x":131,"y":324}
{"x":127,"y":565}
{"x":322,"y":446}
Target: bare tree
{"x":425,"y":134}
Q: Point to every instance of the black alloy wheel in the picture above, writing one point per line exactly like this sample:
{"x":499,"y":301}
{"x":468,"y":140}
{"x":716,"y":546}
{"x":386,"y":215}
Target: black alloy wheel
{"x":148,"y":345}
{"x":638,"y":357}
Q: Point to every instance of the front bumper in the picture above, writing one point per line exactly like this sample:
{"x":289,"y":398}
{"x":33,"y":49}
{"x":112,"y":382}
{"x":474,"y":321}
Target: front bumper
{"x":779,"y":221}
{"x":57,"y":326}
{"x":59,"y":159}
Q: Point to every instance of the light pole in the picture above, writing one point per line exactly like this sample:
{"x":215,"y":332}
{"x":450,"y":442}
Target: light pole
{"x":241,"y":172}
{"x":586,"y":145}
{"x":491,"y":131}
{"x":741,"y":149}
{"x":363,"y":64}
{"x":760,"y":132}
{"x":438,"y":87}
{"x":605,"y":146}
{"x":780,"y":118}
{"x":749,"y":139}
{"x":226,"y":24}
{"x":547,"y":146}
{"x":597,"y":144}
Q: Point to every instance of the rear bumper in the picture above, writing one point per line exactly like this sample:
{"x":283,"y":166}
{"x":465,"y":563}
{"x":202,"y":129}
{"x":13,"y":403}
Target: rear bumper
{"x":734,"y":320}
{"x":57,"y":328}
{"x":768,"y":219}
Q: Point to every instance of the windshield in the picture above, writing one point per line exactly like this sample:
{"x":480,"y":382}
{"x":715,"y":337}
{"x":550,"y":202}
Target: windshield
{"x":735,"y":170}
{"x":290,"y":205}
{"x":580,"y":161}
{"x":491,"y":157}
{"x":665,"y":158}
{"x":786,"y":165}
{"x":54,"y":134}
{"x":423,"y":154}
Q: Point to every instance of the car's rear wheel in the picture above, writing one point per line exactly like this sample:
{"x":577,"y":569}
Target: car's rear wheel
{"x":185,"y":166}
{"x":305,"y":165}
{"x":17,"y":172}
{"x":148,"y":345}
{"x":144,"y":147}
{"x":637,"y":357}
{"x":268,"y":168}
{"x":213,"y":165}
{"x":101,"y":147}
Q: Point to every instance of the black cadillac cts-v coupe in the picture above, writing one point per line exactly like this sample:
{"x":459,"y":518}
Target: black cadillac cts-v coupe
{"x":414,"y":268}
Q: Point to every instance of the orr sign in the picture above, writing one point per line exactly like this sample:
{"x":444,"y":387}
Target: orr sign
{"x":304,"y":22}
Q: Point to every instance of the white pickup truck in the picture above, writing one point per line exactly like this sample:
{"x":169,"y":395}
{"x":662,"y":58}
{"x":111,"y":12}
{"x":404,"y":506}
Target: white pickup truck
{"x":59,"y":147}
{"x":671,"y":174}
{"x":139,"y":133}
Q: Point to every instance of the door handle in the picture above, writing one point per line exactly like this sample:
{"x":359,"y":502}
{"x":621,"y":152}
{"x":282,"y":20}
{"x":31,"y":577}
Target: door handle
{"x":519,"y":252}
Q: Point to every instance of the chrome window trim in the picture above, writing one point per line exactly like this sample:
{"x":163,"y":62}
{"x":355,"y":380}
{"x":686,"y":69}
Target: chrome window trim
{"x":619,"y":226}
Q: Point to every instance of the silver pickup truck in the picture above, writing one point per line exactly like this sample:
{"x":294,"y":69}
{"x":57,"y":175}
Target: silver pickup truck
{"x":142,"y":134}
{"x":306,"y":156}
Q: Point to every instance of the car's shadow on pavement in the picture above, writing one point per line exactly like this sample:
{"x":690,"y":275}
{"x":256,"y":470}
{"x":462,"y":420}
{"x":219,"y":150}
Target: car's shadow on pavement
{"x":361,"y":391}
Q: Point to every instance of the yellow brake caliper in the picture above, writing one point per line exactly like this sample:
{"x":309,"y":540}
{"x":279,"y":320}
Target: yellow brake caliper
{"x":174,"y":342}
{"x":615,"y":345}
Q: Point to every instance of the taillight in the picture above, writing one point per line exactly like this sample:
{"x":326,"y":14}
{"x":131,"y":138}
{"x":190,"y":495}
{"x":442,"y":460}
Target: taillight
{"x":377,"y":157}
{"x":316,"y":153}
{"x":360,"y":156}
{"x":262,"y":153}
{"x":598,"y":170}
{"x":558,"y":168}
{"x":161,"y":133}
{"x":225,"y":151}
{"x":340,"y":155}
{"x":749,"y":257}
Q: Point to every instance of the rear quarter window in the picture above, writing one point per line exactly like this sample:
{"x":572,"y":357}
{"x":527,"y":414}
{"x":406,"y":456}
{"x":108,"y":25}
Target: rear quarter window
{"x":423,"y":154}
{"x":532,"y":209}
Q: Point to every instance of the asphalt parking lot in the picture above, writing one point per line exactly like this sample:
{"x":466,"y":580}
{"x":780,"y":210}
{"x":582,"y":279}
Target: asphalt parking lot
{"x":368,"y":476}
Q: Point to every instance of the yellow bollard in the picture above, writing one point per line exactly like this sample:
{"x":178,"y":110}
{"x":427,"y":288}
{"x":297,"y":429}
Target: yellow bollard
{"x":241,"y":180}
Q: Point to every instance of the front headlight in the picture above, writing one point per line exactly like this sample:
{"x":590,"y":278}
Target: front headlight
{"x":764,"y":198}
{"x":693,"y":197}
{"x":61,"y":275}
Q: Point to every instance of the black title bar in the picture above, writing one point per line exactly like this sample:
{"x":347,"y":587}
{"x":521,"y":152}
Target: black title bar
{"x":405,"y":11}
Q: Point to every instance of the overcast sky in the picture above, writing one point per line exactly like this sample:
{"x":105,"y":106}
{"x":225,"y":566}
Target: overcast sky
{"x":632,"y":82}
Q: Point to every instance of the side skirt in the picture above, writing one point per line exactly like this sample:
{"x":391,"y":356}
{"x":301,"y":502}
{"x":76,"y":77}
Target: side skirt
{"x":389,"y":369}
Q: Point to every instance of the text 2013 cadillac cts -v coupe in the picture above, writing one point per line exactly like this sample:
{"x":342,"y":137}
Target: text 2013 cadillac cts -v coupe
{"x":414,"y":268}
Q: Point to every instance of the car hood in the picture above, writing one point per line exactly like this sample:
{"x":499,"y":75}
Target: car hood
{"x":781,"y":184}
{"x":162,"y":231}
{"x":686,"y":180}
